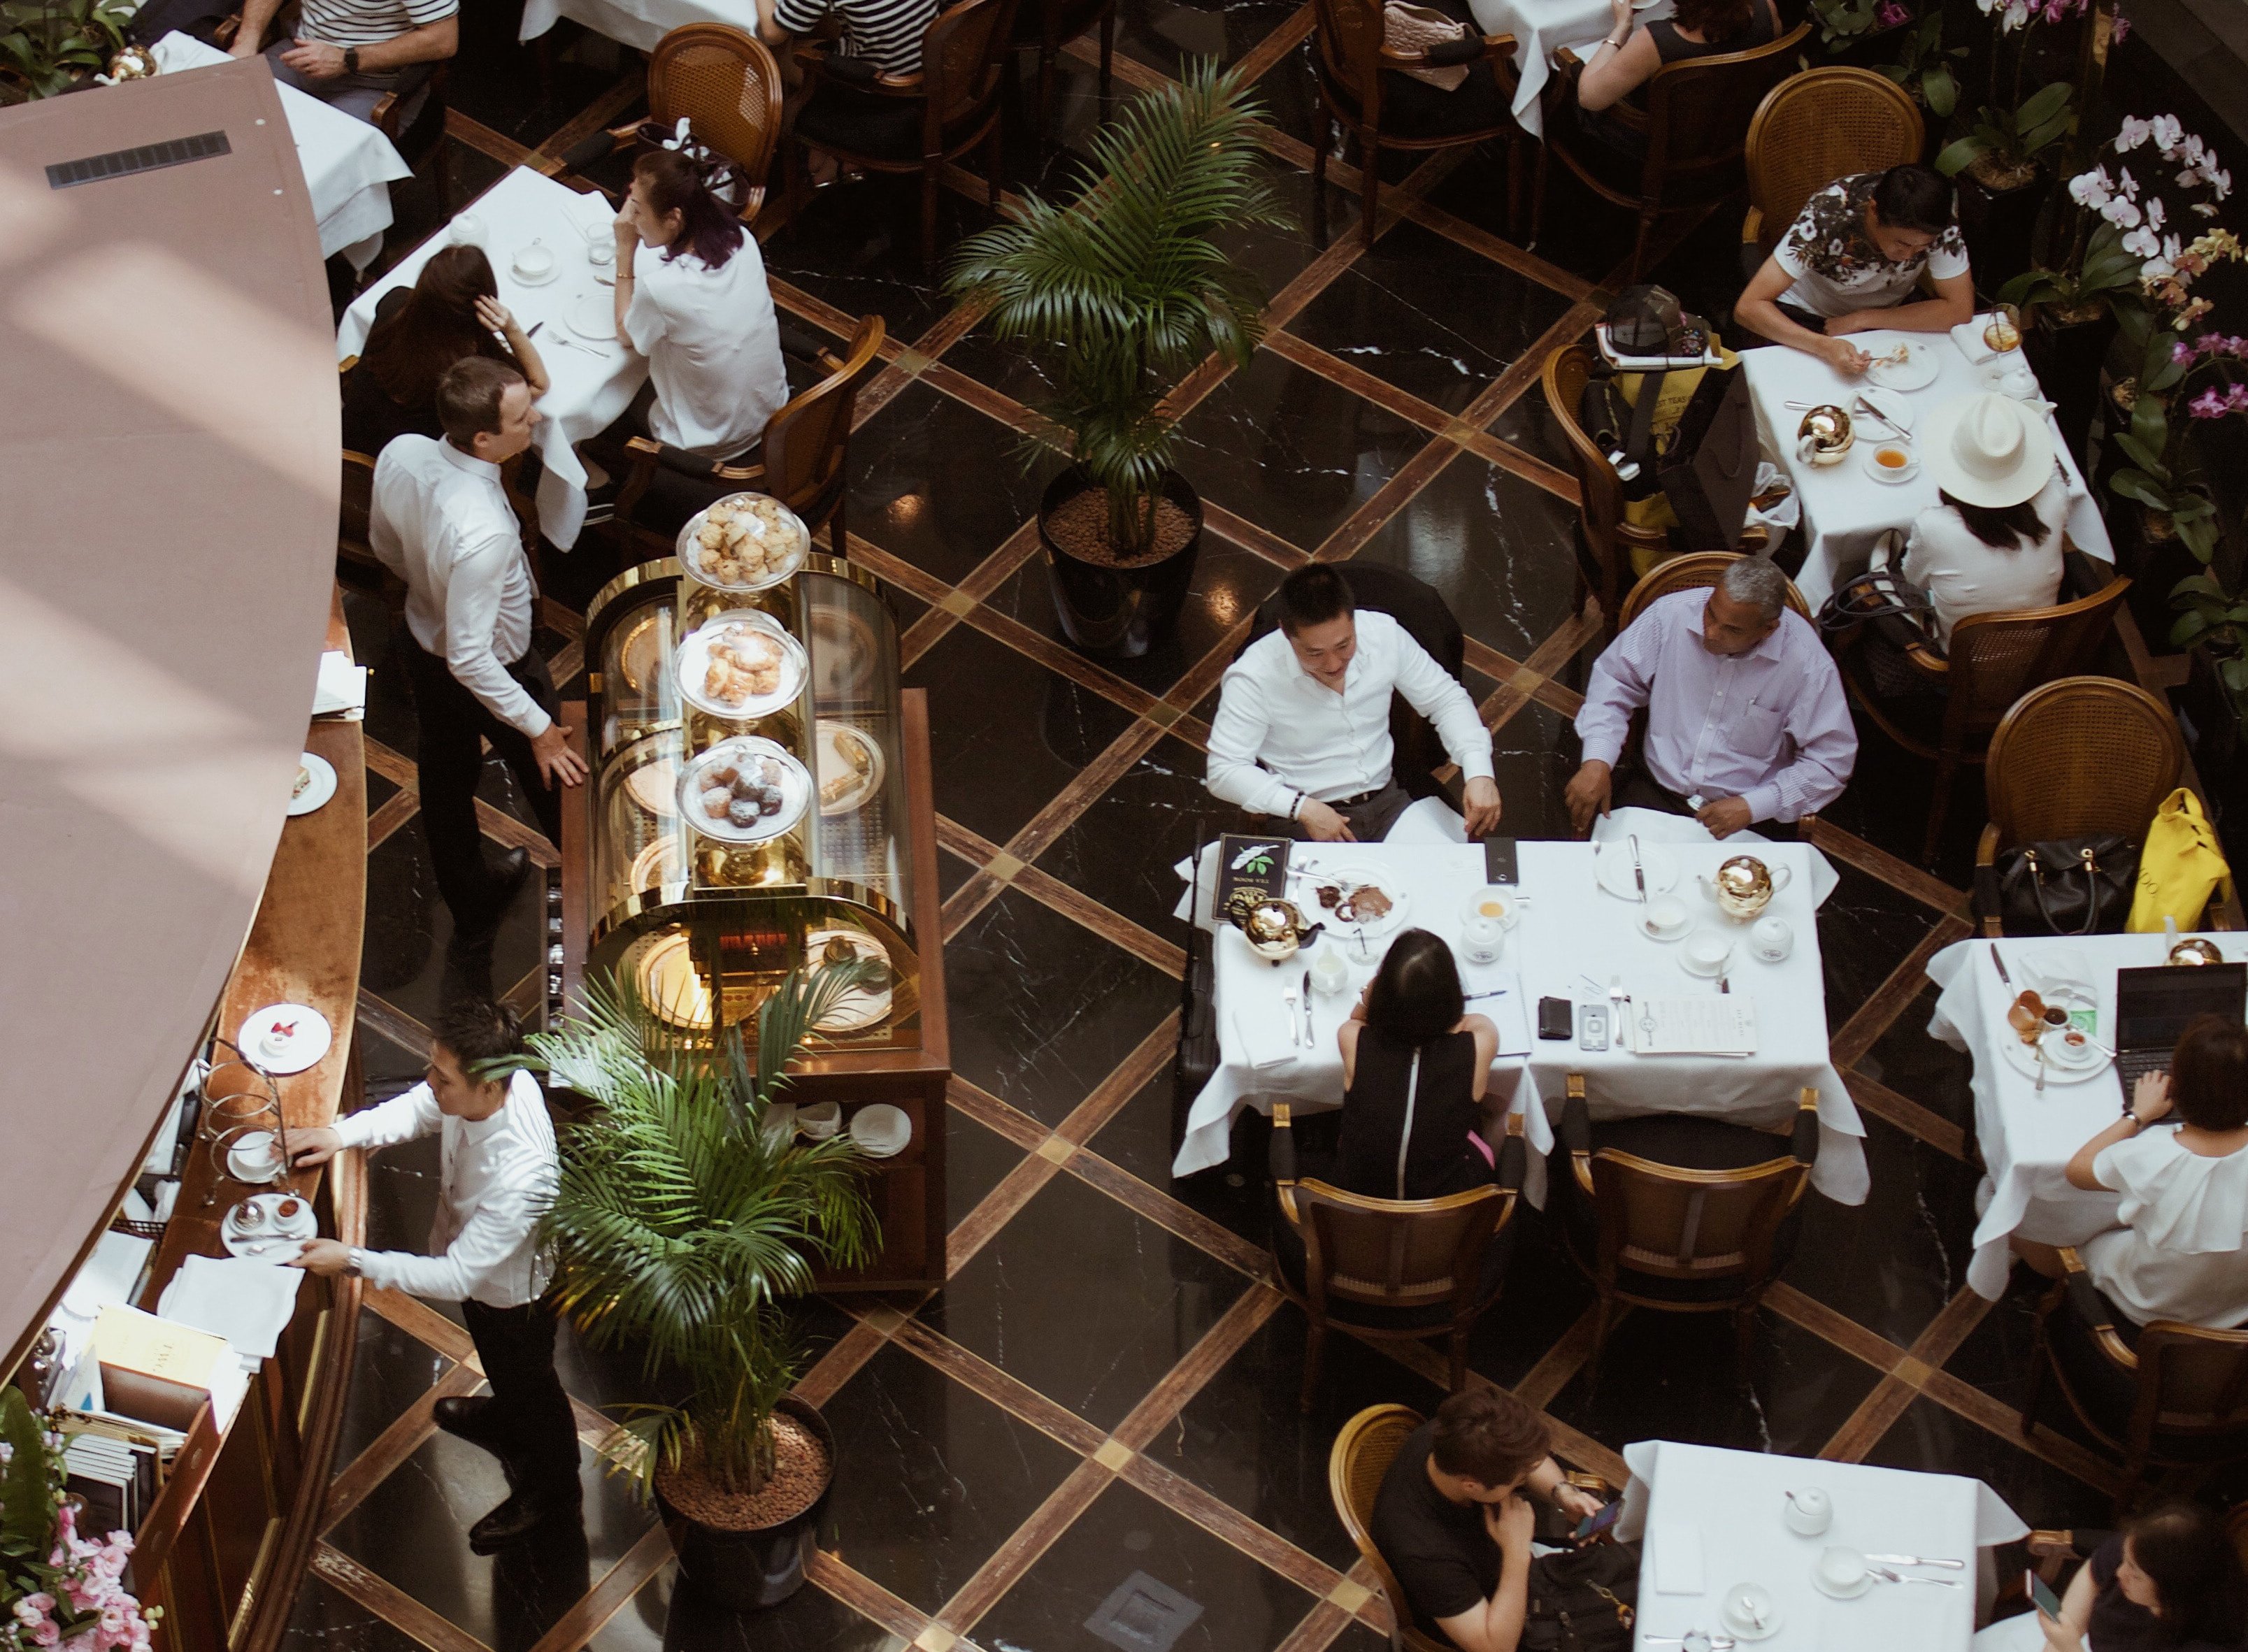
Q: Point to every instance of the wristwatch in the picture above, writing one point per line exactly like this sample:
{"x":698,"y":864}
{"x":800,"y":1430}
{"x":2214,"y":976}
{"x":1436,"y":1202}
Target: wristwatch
{"x":351,"y":59}
{"x":353,"y":1269}
{"x":2137,"y":1123}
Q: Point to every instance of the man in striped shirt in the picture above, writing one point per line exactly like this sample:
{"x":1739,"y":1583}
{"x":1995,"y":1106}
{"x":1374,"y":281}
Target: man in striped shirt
{"x":884,"y":35}
{"x":353,"y":53}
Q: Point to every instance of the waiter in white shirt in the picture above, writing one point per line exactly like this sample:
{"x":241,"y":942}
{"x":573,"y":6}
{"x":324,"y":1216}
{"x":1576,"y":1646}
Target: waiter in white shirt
{"x":498,"y":1177}
{"x":441,"y":523}
{"x":1302,"y":730}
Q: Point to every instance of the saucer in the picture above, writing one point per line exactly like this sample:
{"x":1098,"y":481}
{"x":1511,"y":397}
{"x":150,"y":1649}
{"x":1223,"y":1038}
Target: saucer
{"x":881,"y":1129}
{"x":593,"y":317}
{"x":516,"y":269}
{"x":1735,"y":1619}
{"x":2083,"y":1057}
{"x":1711,"y":972}
{"x":274,"y":1233}
{"x":1677,"y":931}
{"x":1882,"y":473}
{"x":300,"y":1048}
{"x":1820,"y":1583}
{"x":241,"y":1159}
{"x":320,"y":784}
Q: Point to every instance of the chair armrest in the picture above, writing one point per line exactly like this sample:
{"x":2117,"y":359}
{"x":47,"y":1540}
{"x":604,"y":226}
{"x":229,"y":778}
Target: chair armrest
{"x":1753,"y":227}
{"x":1803,"y":1143}
{"x":2054,"y":1545}
{"x":384,"y":116}
{"x":1513,"y":1156}
{"x":858,"y":72}
{"x":1561,"y":87}
{"x":1985,"y":900}
{"x":1282,"y":1152}
{"x":587,"y":151}
{"x":2084,"y":1300}
{"x":1576,"y":1132}
{"x":801,"y":343}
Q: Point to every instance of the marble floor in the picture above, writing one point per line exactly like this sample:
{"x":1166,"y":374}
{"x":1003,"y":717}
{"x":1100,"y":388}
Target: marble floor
{"x":1105,"y":1388}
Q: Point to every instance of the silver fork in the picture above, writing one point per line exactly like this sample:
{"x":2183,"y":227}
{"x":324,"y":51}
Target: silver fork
{"x":1918,"y":1560}
{"x":1887,"y":1576}
{"x":1288,"y":997}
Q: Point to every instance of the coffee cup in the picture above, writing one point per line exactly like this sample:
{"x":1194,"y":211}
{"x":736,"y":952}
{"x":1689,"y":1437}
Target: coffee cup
{"x":1808,"y":1512}
{"x":819,"y":1120}
{"x":1893,"y":460}
{"x":1707,"y":953}
{"x":1772,"y":939}
{"x":1499,"y":904}
{"x":258,"y":1152}
{"x":1665,"y":917}
{"x":1841,"y":1571}
{"x":1330,"y":973}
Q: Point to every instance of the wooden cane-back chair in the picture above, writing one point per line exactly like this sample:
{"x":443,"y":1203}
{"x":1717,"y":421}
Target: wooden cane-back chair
{"x":1605,"y":573}
{"x":2076,"y":756}
{"x":1814,"y":127}
{"x":1352,"y":62}
{"x":1684,"y":1241}
{"x":1991,"y":662}
{"x":725,"y":81}
{"x":2188,"y":1386}
{"x":1357,"y":1463}
{"x":1697,"y":571}
{"x":1392,"y":1270}
{"x":357,"y":506}
{"x":1695,"y":119}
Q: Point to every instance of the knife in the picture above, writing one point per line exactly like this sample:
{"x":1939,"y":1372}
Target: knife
{"x":1638,"y":872}
{"x":2001,"y":965}
{"x":1307,"y":1009}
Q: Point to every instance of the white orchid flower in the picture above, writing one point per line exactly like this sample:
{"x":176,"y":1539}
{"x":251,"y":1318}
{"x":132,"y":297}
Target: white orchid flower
{"x":2133,"y":132}
{"x":2167,"y":130}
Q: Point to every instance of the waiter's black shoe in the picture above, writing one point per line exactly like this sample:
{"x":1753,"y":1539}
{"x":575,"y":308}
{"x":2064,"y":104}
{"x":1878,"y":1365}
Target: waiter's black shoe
{"x":507,"y":881}
{"x":521,"y":1515}
{"x":469,"y":1418}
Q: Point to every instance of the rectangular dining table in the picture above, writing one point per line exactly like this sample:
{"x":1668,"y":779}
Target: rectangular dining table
{"x":638,"y":23}
{"x":1573,"y":939}
{"x":2028,"y":1135}
{"x":1710,"y":1519}
{"x":1846,"y":509}
{"x":594,"y":379}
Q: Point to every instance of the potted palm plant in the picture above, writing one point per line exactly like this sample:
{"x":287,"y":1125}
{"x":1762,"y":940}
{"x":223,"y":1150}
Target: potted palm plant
{"x":679,"y":1226}
{"x":1122,"y":295}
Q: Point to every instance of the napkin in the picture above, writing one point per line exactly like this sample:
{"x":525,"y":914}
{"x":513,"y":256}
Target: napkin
{"x":342,"y":686}
{"x":241,"y":1298}
{"x":1968,"y":335}
{"x":1677,"y":1558}
{"x":1264,"y":1036}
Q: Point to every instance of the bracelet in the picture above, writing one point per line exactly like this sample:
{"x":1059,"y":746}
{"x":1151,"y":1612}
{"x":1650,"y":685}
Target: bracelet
{"x":2137,"y":1123}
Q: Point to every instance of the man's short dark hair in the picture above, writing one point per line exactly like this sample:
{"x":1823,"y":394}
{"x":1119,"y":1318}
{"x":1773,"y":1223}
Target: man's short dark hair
{"x":1489,"y":1435}
{"x":483,"y":1036}
{"x":469,"y":397}
{"x":1314,"y":595}
{"x":2209,"y":1073}
{"x":1913,"y":197}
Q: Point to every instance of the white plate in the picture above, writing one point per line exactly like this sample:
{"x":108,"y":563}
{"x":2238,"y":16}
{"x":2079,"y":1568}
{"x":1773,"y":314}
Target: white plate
{"x":655,"y":786}
{"x":319,"y":783}
{"x":795,"y":790}
{"x":1348,"y":877}
{"x":2023,"y":1060}
{"x":274,"y":1240}
{"x":1612,"y":863}
{"x":1772,"y":1617}
{"x":593,"y":317}
{"x":1917,"y":372}
{"x":690,"y":553}
{"x":857,"y":1009}
{"x":302,"y":1048}
{"x":1820,"y":1583}
{"x":881,"y":1130}
{"x":831,"y":761}
{"x":1880,"y":472}
{"x":243,"y":1168}
{"x":695,"y":663}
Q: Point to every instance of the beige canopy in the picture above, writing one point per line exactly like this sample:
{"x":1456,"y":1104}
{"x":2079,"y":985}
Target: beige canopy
{"x":169,"y":474}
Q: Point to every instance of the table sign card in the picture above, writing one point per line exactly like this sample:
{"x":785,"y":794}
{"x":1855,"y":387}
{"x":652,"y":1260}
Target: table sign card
{"x":1720,"y":1023}
{"x":1257,"y":864}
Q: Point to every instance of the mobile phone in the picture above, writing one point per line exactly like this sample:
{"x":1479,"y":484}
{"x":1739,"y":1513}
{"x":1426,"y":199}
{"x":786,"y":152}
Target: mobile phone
{"x":1592,"y":1027}
{"x":1556,"y":1018}
{"x":2041,"y":1592}
{"x":1598,"y":1521}
{"x":1498,"y":860}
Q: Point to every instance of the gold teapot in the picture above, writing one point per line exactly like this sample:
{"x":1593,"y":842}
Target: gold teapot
{"x":2195,"y":951}
{"x":1744,"y":887}
{"x":133,"y":62}
{"x":1824,"y":436}
{"x":1273,"y":927}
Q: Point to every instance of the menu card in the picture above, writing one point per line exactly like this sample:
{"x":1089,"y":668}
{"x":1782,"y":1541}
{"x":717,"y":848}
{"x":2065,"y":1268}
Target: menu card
{"x":1260,"y":864}
{"x":1715,"y":1024}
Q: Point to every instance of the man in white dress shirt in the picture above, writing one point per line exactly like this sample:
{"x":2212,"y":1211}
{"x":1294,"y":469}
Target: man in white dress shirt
{"x":498,"y":1177}
{"x":1302,"y":730}
{"x":441,"y":523}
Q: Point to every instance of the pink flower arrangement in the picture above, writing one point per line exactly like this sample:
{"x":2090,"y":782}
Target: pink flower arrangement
{"x":75,"y":1601}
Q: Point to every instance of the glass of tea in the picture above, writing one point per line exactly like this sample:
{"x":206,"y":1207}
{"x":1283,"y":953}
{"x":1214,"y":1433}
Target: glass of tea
{"x":2002,"y":332}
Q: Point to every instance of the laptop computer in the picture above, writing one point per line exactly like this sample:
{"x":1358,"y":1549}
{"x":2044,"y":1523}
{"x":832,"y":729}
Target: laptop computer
{"x":2153,"y":1006}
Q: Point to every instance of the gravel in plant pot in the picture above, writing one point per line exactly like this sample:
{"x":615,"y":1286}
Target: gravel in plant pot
{"x":1120,"y":296}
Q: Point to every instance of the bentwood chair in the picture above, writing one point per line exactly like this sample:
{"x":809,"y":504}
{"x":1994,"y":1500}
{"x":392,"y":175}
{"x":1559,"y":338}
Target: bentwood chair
{"x":1679,"y":1214}
{"x":1813,"y":129}
{"x":1048,"y":25}
{"x":1695,"y":119}
{"x":1698,"y":571}
{"x":2076,"y":756}
{"x":1991,"y":660}
{"x":727,"y":85}
{"x":2173,"y":1397}
{"x":1357,"y":1463}
{"x":357,"y":506}
{"x":1367,"y":86}
{"x":802,"y":459}
{"x":1391,"y":1270}
{"x":946,"y":108}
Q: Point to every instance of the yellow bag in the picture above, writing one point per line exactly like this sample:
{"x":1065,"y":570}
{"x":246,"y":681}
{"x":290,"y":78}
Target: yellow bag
{"x":1653,"y":513}
{"x":2180,"y":867}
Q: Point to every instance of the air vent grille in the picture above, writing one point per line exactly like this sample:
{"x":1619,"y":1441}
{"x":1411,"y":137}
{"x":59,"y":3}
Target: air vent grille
{"x":148,"y":157}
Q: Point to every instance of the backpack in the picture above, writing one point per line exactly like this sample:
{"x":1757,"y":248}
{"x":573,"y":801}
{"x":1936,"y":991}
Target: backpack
{"x":1584,"y":1601}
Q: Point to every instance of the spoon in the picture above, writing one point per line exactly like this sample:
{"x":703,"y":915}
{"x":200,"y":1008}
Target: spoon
{"x":1887,"y":1576}
{"x":1914,"y":1559}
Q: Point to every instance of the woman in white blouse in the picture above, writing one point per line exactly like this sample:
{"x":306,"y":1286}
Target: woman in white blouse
{"x":692,"y":298}
{"x":2179,"y":1254}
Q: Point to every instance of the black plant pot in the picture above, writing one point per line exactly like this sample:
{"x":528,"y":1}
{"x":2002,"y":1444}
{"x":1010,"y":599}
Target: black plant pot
{"x":1119,"y":612}
{"x":2066,"y":357}
{"x":1999,"y":227}
{"x":745,"y":1570}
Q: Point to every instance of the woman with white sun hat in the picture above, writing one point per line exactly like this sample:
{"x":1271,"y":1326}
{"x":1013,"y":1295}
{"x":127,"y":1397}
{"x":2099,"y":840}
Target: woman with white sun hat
{"x":1994,"y":544}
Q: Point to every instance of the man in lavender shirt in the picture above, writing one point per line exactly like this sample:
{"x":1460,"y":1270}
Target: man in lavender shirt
{"x":1746,"y":718}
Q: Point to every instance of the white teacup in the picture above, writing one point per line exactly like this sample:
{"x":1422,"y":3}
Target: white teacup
{"x":1842,"y":1571}
{"x":1707,"y":953}
{"x":819,"y":1120}
{"x":1666,"y":917}
{"x":259,"y":1152}
{"x":1772,"y":940}
{"x":1808,"y":1512}
{"x":535,"y":262}
{"x":1496,"y":903}
{"x":1750,"y":1610}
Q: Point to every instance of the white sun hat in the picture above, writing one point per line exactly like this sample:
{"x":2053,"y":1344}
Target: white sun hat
{"x":1988,"y":450}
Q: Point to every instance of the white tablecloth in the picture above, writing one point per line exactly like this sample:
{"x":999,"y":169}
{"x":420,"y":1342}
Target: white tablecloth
{"x":348,"y":165}
{"x":637,"y":23}
{"x":2028,"y":1139}
{"x":593,"y":382}
{"x":1572,"y":938}
{"x":1541,"y":28}
{"x":1845,"y":511}
{"x":1712,"y":1519}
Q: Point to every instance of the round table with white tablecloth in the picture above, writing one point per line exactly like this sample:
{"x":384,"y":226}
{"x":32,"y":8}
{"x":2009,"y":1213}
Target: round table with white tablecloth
{"x":1542,"y":27}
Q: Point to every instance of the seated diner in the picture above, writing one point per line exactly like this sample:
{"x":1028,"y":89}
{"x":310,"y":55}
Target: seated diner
{"x":450,"y":312}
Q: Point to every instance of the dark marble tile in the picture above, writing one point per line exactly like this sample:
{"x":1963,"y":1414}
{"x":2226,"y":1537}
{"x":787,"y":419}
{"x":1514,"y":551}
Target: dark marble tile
{"x":404,"y":956}
{"x":952,"y":871}
{"x":1910,"y":1062}
{"x":1995,"y":1357}
{"x":402,"y":1194}
{"x":1937,"y":1440}
{"x":1042,"y":1008}
{"x":1866,"y":929}
{"x":1428,"y":316}
{"x":1892,"y":1262}
{"x":1677,"y":1377}
{"x":938,"y":483}
{"x":380,"y":791}
{"x":1887,"y":805}
{"x":1532,"y":755}
{"x":1582,"y":234}
{"x":857,"y":247}
{"x":325,"y":1621}
{"x":1498,"y":548}
{"x":1238,"y":1605}
{"x":932,"y":1477}
{"x":390,"y":1067}
{"x":669,"y":1616}
{"x":1148,"y":1297}
{"x":977,"y":1159}
{"x":1527,"y":423}
{"x":1235,"y":1195}
{"x":1006,"y":733}
{"x":513,"y":87}
{"x":1245,"y":1438}
{"x":1291,"y":451}
{"x":1170,"y":35}
{"x":1546,"y":1294}
{"x":1278,"y":255}
{"x":390,"y":1370}
{"x":1122,"y":851}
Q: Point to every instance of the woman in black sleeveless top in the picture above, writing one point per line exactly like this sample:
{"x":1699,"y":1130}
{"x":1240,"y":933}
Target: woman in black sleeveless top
{"x":1414,"y":1066}
{"x":1627,"y":59}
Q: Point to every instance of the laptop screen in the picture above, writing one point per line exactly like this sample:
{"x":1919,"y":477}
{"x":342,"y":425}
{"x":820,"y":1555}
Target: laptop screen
{"x":2154,"y":1005}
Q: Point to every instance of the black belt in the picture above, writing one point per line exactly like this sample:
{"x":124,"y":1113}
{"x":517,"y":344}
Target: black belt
{"x":1363,"y":797}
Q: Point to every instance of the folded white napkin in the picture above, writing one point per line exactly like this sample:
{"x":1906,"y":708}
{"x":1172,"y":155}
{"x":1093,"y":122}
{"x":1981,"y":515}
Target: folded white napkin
{"x":245,"y":1299}
{"x":1677,"y":1558}
{"x":341,"y":686}
{"x":1968,"y":335}
{"x":1263,"y":1034}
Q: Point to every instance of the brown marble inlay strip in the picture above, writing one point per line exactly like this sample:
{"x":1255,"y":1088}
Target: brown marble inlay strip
{"x":1166,"y":1212}
{"x":1890,"y":999}
{"x":402,"y":808}
{"x":569,"y":660}
{"x":392,"y":1023}
{"x":568,"y":621}
{"x":1560,"y":1362}
{"x":896,"y":570}
{"x":1008,"y":1392}
{"x":1563,"y":645}
{"x":1498,"y":667}
{"x":1074,"y":799}
{"x":1074,"y":904}
{"x":1066,"y":661}
{"x":422,"y":1625}
{"x":822,"y":314}
{"x":1359,"y":381}
{"x":591,"y":1614}
{"x":992,"y":1113}
{"x":991,"y":404}
{"x":839,"y":1363}
{"x":390,"y":765}
{"x":421,"y":1322}
{"x":594,"y":117}
{"x":1251,"y":536}
{"x":881,"y":390}
{"x":1899,"y":875}
{"x":2062,"y":1452}
{"x":1454,"y":228}
{"x":1221,"y":1342}
{"x":1863,"y":1429}
{"x":505,"y":830}
{"x":1515,"y":461}
{"x":950,"y":329}
{"x":968,"y":845}
{"x":1906,"y":1113}
{"x":1018,"y":547}
{"x":1126,"y":1080}
{"x":999,"y":1208}
{"x":1210,"y":670}
{"x":394,"y":1444}
{"x":865,"y":1596}
{"x":1321,"y":1625}
{"x":1274,"y":46}
{"x":1031,"y":1539}
{"x":1840,"y":1329}
{"x":1388,"y":499}
{"x":970,"y":900}
{"x":1221,"y":1519}
{"x":1945,"y":1334}
{"x":478,"y":135}
{"x":1551,"y":694}
{"x":1193,"y":732}
{"x":1527,"y":368}
{"x":923,"y":634}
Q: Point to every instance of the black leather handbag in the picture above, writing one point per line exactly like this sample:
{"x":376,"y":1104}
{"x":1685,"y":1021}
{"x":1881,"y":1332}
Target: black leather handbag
{"x":2073,"y":886}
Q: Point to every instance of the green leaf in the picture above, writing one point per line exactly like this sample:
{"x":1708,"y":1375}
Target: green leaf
{"x":27,"y":1503}
{"x":2198,"y":535}
{"x":2042,"y":106}
{"x":2137,"y":484}
{"x":1942,"y":90}
{"x":1957,"y":156}
{"x":2186,"y":629}
{"x":2028,"y":287}
{"x":2139,"y":454}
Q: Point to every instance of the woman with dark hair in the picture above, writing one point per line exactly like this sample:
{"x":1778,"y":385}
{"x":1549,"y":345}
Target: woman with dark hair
{"x":1627,"y":58}
{"x":1995,"y":543}
{"x":2178,"y":1252}
{"x":451,"y":311}
{"x":692,"y":298}
{"x":1413,"y":1066}
{"x":2168,"y":1581}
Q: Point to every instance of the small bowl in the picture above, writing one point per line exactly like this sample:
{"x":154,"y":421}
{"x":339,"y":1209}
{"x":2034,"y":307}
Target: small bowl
{"x":819,"y":1120}
{"x":1841,"y":1572}
{"x":1706,"y":953}
{"x":1807,"y":1512}
{"x":1666,"y":919}
{"x":881,"y":1129}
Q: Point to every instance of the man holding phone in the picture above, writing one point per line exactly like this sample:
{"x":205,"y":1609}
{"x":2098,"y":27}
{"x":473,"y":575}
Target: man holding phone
{"x":1454,"y":1516}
